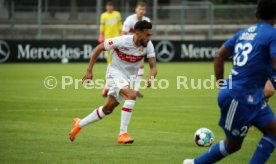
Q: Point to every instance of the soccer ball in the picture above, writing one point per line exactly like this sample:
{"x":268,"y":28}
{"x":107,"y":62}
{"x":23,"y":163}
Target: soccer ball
{"x":64,"y":60}
{"x":204,"y":137}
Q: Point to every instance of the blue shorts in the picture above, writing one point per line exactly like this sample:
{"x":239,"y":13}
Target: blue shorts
{"x":236,"y":117}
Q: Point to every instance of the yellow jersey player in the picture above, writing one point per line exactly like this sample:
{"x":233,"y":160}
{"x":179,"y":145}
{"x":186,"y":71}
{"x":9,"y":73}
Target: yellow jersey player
{"x":110,"y":26}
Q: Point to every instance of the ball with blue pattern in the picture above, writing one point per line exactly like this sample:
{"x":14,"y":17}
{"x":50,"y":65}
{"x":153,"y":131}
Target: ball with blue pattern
{"x":204,"y":137}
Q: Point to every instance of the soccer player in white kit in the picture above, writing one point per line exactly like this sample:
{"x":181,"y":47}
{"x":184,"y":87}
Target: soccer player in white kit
{"x":128,"y":53}
{"x":128,"y":28}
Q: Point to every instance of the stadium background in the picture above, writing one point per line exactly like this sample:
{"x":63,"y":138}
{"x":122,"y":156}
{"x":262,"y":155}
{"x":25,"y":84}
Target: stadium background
{"x":35,"y":121}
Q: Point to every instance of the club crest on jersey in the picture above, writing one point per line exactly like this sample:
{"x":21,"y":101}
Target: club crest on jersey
{"x":250,"y":99}
{"x":110,"y":42}
{"x":140,"y":51}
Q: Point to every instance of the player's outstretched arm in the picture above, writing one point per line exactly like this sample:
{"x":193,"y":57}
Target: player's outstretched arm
{"x":153,"y":70}
{"x":94,"y":56}
{"x":222,"y":54}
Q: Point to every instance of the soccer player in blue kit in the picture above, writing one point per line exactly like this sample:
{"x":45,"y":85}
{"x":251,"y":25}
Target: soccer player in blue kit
{"x":254,"y":57}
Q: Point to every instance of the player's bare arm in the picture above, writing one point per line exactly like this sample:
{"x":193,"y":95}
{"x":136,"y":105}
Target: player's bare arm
{"x":94,"y":56}
{"x":268,"y":90}
{"x":153,"y":70}
{"x":101,"y":37}
{"x":222,"y":54}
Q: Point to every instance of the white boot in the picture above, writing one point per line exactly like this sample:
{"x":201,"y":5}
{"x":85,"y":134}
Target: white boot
{"x":188,"y":161}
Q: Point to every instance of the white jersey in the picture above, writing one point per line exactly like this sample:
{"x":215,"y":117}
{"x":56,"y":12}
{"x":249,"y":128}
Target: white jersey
{"x":130,"y":21}
{"x":126,"y":56}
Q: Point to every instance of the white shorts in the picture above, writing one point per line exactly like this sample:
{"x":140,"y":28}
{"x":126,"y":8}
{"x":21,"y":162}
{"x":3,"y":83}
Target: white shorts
{"x":115,"y":81}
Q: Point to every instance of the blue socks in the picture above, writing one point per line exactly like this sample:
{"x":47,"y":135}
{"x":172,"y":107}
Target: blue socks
{"x":219,"y":151}
{"x":264,"y":150}
{"x":215,"y":153}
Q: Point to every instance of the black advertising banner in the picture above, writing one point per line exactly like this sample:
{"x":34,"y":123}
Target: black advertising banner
{"x":12,"y":51}
{"x":45,"y":50}
{"x":177,"y":51}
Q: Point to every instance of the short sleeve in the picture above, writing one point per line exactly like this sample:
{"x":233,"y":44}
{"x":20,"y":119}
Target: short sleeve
{"x":230,"y":43}
{"x":150,"y":50}
{"x":272,"y":46}
{"x":147,"y":19}
{"x":126,"y":25}
{"x":112,"y":43}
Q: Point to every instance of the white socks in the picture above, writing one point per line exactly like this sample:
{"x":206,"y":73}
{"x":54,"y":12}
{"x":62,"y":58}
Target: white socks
{"x":96,"y":115}
{"x":138,"y":79}
{"x":126,"y":115}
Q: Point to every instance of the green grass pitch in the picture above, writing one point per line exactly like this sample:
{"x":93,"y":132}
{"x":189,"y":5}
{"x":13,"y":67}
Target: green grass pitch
{"x":35,"y":121}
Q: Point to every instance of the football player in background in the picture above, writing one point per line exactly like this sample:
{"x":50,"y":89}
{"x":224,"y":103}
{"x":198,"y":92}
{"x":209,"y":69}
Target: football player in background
{"x":128,"y":28}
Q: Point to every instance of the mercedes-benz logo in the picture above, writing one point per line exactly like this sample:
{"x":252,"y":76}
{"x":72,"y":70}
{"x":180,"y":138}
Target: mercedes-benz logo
{"x":4,"y":51}
{"x":165,"y":51}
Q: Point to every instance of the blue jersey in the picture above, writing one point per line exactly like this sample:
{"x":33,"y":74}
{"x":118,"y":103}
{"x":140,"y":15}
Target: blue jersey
{"x":252,"y":51}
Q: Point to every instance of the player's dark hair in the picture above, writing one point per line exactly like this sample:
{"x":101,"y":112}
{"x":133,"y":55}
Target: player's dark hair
{"x":266,"y":9}
{"x":109,"y":3}
{"x":142,"y":25}
{"x":141,"y":3}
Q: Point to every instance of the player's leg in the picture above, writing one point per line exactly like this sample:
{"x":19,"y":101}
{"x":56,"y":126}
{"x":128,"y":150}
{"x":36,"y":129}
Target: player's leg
{"x":217,"y":152}
{"x":138,"y":79}
{"x":266,"y":122}
{"x":126,"y":113}
{"x":96,"y":115}
{"x":268,"y":90}
{"x":220,"y":150}
{"x":100,"y":112}
{"x":119,"y":87}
